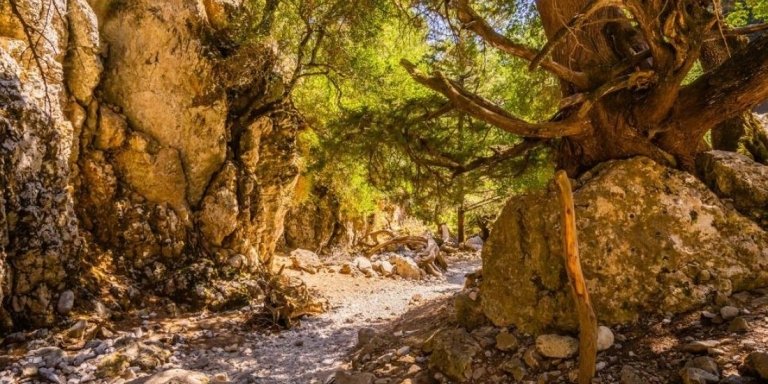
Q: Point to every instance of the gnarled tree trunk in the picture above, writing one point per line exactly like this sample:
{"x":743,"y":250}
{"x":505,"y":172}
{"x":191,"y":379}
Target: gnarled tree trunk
{"x":621,"y":66}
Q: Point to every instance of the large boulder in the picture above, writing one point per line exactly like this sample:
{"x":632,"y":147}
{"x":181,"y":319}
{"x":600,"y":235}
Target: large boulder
{"x":646,"y":234}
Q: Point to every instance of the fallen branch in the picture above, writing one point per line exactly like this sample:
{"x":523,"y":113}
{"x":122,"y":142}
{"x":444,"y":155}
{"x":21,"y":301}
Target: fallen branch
{"x":416,"y":241}
{"x":587,"y":318}
{"x":375,"y":235}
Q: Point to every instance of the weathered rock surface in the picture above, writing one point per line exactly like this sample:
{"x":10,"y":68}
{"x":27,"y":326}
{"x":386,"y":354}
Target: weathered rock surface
{"x":452,"y":354}
{"x":304,"y":260}
{"x":405,"y":267}
{"x":319,"y":223}
{"x":170,"y":95}
{"x":39,"y":240}
{"x":312,"y":224}
{"x":141,"y":143}
{"x":179,"y":376}
{"x":557,"y":346}
{"x":739,"y":179}
{"x":645,"y":234}
{"x":757,"y":363}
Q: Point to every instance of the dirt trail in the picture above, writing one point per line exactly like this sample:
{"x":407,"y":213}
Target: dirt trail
{"x":311,"y":352}
{"x":222,"y":346}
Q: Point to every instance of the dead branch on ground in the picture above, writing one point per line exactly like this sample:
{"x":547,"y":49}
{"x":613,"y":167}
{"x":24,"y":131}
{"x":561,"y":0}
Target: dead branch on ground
{"x":587,"y":318}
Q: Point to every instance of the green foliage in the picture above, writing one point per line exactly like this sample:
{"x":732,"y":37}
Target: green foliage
{"x":370,"y":139}
{"x":744,"y":12}
{"x":694,"y":73}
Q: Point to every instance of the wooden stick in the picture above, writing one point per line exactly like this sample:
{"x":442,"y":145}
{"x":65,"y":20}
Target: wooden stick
{"x":587,"y":318}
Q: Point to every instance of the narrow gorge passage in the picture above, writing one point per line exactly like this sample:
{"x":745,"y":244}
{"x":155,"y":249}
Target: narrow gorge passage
{"x":224,"y":347}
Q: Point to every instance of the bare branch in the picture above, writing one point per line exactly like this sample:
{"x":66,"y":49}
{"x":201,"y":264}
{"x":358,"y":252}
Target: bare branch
{"x":485,"y":110}
{"x":518,"y":150}
{"x":472,"y":21}
{"x":748,"y":30}
{"x":737,"y":85}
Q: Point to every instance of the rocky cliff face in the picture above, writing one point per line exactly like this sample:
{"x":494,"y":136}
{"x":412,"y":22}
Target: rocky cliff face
{"x":652,"y":240}
{"x":319,"y":224}
{"x":124,"y":131}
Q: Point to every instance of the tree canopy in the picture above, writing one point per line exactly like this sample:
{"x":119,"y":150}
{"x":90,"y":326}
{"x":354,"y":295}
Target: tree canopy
{"x":453,"y":103}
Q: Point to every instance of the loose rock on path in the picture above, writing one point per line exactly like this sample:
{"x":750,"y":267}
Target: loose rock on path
{"x":222,"y":347}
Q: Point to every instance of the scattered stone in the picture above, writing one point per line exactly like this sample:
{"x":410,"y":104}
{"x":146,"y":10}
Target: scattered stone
{"x":452,"y":353}
{"x":29,"y":370}
{"x":342,"y":377}
{"x":605,"y":338}
{"x":50,"y":375}
{"x":237,"y":262}
{"x":515,"y":367}
{"x":364,"y":336}
{"x":704,"y":276}
{"x":739,"y":324}
{"x":697,"y":376}
{"x":729,"y":312}
{"x":304,"y":260}
{"x":699,"y":346}
{"x":413,"y":369}
{"x":112,"y":365}
{"x":708,"y":315}
{"x":704,"y":363}
{"x":469,"y":313}
{"x":66,"y":302}
{"x":757,"y":363}
{"x":51,"y":356}
{"x":549,"y":377}
{"x":363,"y":264}
{"x":386,"y":268}
{"x":506,"y":341}
{"x":475,"y":242}
{"x":174,"y":376}
{"x":403,"y":350}
{"x":532,"y":358}
{"x":405,"y":267}
{"x":83,"y":356}
{"x":630,"y":376}
{"x":557,"y":346}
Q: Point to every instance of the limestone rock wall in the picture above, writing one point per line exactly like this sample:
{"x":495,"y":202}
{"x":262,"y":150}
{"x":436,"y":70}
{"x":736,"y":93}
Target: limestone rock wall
{"x":652,"y":240}
{"x":321,"y":225}
{"x":39,"y":238}
{"x":313,"y":224}
{"x":144,"y":141}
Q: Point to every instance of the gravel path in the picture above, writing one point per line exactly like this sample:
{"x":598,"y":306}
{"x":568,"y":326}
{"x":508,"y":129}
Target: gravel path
{"x":218,"y":344}
{"x":315,"y":349}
